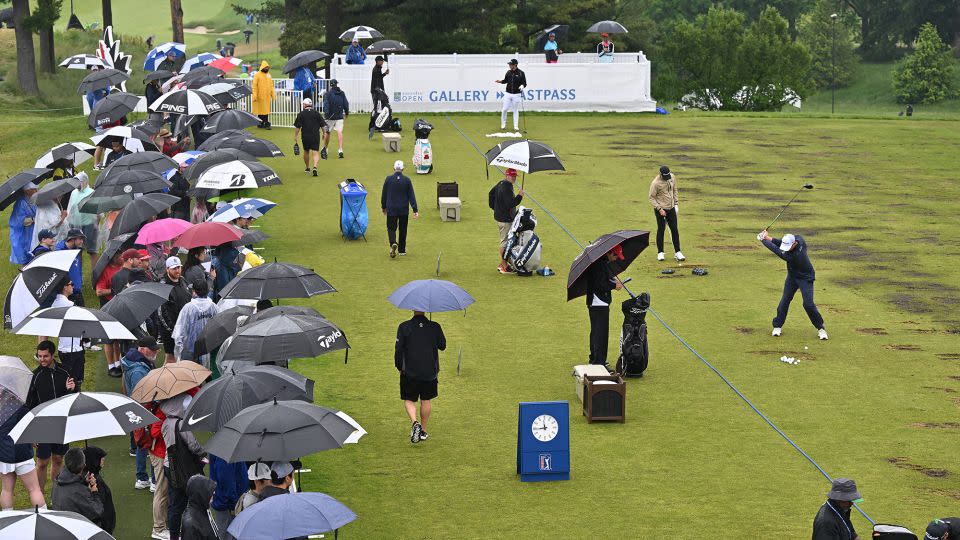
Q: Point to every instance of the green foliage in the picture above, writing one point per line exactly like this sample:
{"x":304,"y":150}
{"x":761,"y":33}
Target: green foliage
{"x":45,"y":15}
{"x":926,"y":75}
{"x":828,"y":49}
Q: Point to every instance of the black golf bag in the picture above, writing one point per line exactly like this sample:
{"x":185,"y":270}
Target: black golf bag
{"x":892,"y":532}
{"x":523,"y":245}
{"x":634,"y":354}
{"x":382,"y":120}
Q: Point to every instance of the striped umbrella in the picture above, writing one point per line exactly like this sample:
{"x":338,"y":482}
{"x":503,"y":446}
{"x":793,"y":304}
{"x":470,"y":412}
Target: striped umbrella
{"x":81,"y":416}
{"x":73,"y":321}
{"x":36,"y":284}
{"x":199,"y":61}
{"x":185,"y":159}
{"x":160,"y":52}
{"x":48,"y":525}
{"x":77,"y":152}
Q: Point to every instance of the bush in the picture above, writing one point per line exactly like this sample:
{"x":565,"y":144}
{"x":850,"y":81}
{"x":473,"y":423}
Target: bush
{"x":817,"y":33}
{"x":926,"y":76}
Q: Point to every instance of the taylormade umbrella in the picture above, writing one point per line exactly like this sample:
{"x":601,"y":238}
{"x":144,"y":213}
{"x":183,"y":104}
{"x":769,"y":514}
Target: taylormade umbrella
{"x":159,"y":53}
{"x":387,"y":46}
{"x":162,"y":230}
{"x":276,"y":280}
{"x":360,"y":32}
{"x":208,"y":233}
{"x":631,"y":243}
{"x":524,"y":155}
{"x":112,"y":108}
{"x":66,"y":153}
{"x":242,"y":208}
{"x":140,"y":161}
{"x":114,"y":246}
{"x":303,"y":58}
{"x":220,"y":327}
{"x":220,"y":400}
{"x":56,"y":189}
{"x":168,"y":381}
{"x":290,"y":515}
{"x":9,"y":189}
{"x":48,"y":525}
{"x":242,"y":141}
{"x":135,"y":304}
{"x":431,"y":296}
{"x":212,"y":158}
{"x":35,"y":284}
{"x":608,"y":27}
{"x":133,"y":139}
{"x":73,"y":321}
{"x":83,"y":61}
{"x":226,"y":92}
{"x":238,"y":175}
{"x":229,"y":119}
{"x":191,"y":102}
{"x":81,"y":416}
{"x":284,"y":337}
{"x":15,"y":379}
{"x":102,"y":78}
{"x":130,"y":182}
{"x":276,"y":311}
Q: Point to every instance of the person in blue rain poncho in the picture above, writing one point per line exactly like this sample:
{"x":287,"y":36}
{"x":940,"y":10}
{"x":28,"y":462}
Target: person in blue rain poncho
{"x":21,"y":225}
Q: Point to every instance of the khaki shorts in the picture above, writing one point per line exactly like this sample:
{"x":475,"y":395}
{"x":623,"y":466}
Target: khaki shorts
{"x":504,"y":233}
{"x":334,"y":125}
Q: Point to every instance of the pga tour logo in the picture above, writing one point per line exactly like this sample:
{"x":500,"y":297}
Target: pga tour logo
{"x":546,"y":462}
{"x":327,"y":341}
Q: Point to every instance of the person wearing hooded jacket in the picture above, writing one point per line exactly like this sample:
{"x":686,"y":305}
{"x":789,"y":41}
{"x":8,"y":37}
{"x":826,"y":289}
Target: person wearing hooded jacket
{"x":192,"y":320}
{"x":231,"y":479}
{"x":49,"y":381}
{"x":76,"y":490}
{"x":94,"y":458}
{"x":263,"y":94}
{"x":197,"y":523}
{"x":169,"y":311}
{"x":180,"y":463}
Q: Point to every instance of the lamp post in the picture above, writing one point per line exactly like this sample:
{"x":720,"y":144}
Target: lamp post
{"x":833,"y":64}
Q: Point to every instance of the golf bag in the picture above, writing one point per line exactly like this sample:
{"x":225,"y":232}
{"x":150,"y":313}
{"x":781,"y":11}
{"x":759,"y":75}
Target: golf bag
{"x":634,"y":354}
{"x":422,"y":150}
{"x":523,"y":245}
{"x":382,"y":120}
{"x":892,"y":532}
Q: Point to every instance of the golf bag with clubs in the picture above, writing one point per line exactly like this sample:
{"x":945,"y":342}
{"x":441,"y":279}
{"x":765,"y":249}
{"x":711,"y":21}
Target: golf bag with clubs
{"x":634,"y":354}
{"x":382,"y":120}
{"x":422,"y":150}
{"x":523,"y":245}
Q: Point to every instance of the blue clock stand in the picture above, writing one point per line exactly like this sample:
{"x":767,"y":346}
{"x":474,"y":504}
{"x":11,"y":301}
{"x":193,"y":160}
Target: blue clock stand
{"x":543,"y":461}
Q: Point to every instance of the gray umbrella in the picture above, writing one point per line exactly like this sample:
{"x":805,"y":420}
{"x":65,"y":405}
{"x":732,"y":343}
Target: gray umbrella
{"x":112,"y":108}
{"x":227,"y":92}
{"x":130,"y":182}
{"x":136,"y":303}
{"x":276,"y":311}
{"x":212,"y":159}
{"x":243,"y":141}
{"x":250,"y":237}
{"x":276,"y":280}
{"x":56,"y":189}
{"x":137,"y":212}
{"x":281,"y":431}
{"x":291,"y":515}
{"x":159,"y":75}
{"x":229,"y":119}
{"x":102,"y":78}
{"x":99,"y":205}
{"x":219,"y":328}
{"x":148,"y":126}
{"x":283,"y":337}
{"x":609,"y":27}
{"x":219,"y":401}
{"x":12,"y":186}
{"x":431,"y":296}
{"x":303,"y":58}
{"x":138,"y":161}
{"x":114,"y":246}
{"x":202,"y":76}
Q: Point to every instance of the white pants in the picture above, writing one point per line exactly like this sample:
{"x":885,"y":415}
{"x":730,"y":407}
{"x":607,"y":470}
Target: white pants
{"x":511,"y":102}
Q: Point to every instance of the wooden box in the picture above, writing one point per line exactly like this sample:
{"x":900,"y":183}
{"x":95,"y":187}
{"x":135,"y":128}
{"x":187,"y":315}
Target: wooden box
{"x":604,"y":398}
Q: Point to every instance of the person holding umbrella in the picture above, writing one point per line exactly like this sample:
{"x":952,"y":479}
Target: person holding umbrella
{"x":191,"y":322}
{"x":87,"y":223}
{"x":135,"y":364}
{"x":75,"y":240}
{"x":170,"y":62}
{"x":516,"y":82}
{"x":417,"y":358}
{"x":800,"y":276}
{"x":94,"y":459}
{"x":665,"y":201}
{"x":832,"y":521}
{"x":183,"y":457}
{"x":70,"y":349}
{"x":49,"y":382}
{"x":600,"y":281}
{"x":263,"y":94}
{"x":21,"y":224}
{"x":605,"y":49}
{"x":168,"y":146}
{"x":551,"y":49}
{"x":396,"y":199}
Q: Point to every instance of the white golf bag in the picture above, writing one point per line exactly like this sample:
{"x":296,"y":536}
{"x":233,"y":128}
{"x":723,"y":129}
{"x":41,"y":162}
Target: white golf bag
{"x":523,"y":245}
{"x":423,"y":150}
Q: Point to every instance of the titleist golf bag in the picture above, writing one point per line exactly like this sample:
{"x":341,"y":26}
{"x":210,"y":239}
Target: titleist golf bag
{"x":523,"y":245}
{"x":634,"y":354}
{"x":382,"y":120}
{"x":422,"y":150}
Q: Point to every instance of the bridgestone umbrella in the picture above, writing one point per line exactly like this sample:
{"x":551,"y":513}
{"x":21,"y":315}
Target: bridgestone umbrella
{"x":136,"y":303}
{"x":83,"y":61}
{"x":242,"y":141}
{"x":220,"y":327}
{"x":360,"y":32}
{"x":276,"y":280}
{"x":220,"y":400}
{"x":9,"y":189}
{"x":71,"y":152}
{"x":130,"y":182}
{"x":431,"y":296}
{"x":169,"y":380}
{"x":303,"y":58}
{"x":162,"y":230}
{"x":81,"y":416}
{"x":158,"y":75}
{"x":56,"y":189}
{"x":208,"y":233}
{"x":238,"y":175}
{"x":190,"y":102}
{"x":15,"y":379}
{"x":73,"y":321}
{"x":281,"y":431}
{"x":630,"y":242}
{"x":387,"y":46}
{"x":114,"y":246}
{"x":48,"y":525}
{"x":38,"y":282}
{"x":608,"y":27}
{"x":102,"y":78}
{"x":291,"y":515}
{"x":226,"y":92}
{"x":229,"y":119}
{"x":284,"y":337}
{"x":112,"y":108}
{"x":140,"y":161}
{"x":133,"y":139}
{"x":524,"y":155}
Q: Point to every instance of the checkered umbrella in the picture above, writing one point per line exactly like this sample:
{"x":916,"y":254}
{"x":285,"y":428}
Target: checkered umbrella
{"x":48,"y":525}
{"x":81,"y":416}
{"x":83,"y":61}
{"x":199,"y":61}
{"x":73,"y":321}
{"x":133,"y":139}
{"x":360,"y":32}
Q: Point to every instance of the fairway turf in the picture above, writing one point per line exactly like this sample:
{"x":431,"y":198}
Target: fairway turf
{"x":878,"y":402}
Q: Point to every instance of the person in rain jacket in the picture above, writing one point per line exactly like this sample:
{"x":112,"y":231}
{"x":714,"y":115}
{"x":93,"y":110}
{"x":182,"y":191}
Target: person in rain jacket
{"x":21,"y":225}
{"x":262,"y":94}
{"x":336,"y":108}
{"x":304,"y":80}
{"x":94,"y":458}
{"x":135,"y":364}
{"x":231,"y":479}
{"x":197,"y":524}
{"x":227,"y":263}
{"x":192,"y":320}
{"x":75,"y":489}
{"x":355,"y":53}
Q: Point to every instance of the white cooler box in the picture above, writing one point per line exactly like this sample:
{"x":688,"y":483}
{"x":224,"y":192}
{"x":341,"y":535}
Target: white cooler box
{"x":391,"y":142}
{"x":587,"y":369}
{"x":449,"y":208}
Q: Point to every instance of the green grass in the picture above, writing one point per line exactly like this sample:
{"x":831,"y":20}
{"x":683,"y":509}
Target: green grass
{"x":691,"y":456}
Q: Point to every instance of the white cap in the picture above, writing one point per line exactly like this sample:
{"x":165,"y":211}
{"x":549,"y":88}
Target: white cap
{"x":787,"y":242}
{"x":258,"y":471}
{"x":398,"y":165}
{"x":31,"y":185}
{"x":307,"y":102}
{"x":173,"y":262}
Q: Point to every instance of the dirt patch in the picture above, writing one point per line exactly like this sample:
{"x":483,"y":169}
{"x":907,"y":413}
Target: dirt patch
{"x":910,"y":303}
{"x":923,"y":330}
{"x":744,"y":330}
{"x":954,"y":377}
{"x":847,"y":252}
{"x":204,"y":30}
{"x":904,"y":463}
{"x":948,"y":356}
{"x":950,"y":300}
{"x":902,"y":347}
{"x":852,"y":282}
{"x":950,"y":493}
{"x":831,"y":308}
{"x":941,"y":389}
{"x":936,"y":425}
{"x":873,"y":331}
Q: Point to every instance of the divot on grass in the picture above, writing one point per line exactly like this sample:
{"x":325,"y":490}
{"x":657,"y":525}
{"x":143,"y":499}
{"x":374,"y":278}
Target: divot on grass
{"x":936,"y":425}
{"x":902,"y":347}
{"x":744,"y":330}
{"x":904,"y":463}
{"x":948,"y":356}
{"x":873,"y":331}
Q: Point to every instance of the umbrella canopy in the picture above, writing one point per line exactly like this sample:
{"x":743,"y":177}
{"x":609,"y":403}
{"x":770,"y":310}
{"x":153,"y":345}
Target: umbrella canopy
{"x":102,"y":78}
{"x":607,"y":27}
{"x":226,"y":63}
{"x":303,"y":58}
{"x":81,"y":416}
{"x":133,"y":139}
{"x":276,"y":311}
{"x":83,"y":61}
{"x":185,"y":159}
{"x":238,"y":175}
{"x":65,"y":154}
{"x":134,"y":305}
{"x":281,"y":431}
{"x":158,"y":75}
{"x":360,"y":32}
{"x":112,"y":108}
{"x":162,"y":230}
{"x":249,"y":238}
{"x":284,"y":337}
{"x":431,"y":296}
{"x":290,"y":515}
{"x":48,"y":525}
{"x":168,"y":381}
{"x":561,"y":31}
{"x":130,"y":182}
{"x":199,"y":61}
{"x":200,"y":77}
{"x":220,"y":400}
{"x":37,"y":283}
{"x":212,"y":158}
{"x":114,"y":246}
{"x":630,"y":242}
{"x":245,"y":207}
{"x":524,"y":155}
{"x":243,"y":141}
{"x":138,"y":211}
{"x":220,"y":327}
{"x":147,"y":125}
{"x":56,"y":189}
{"x":387,"y":46}
{"x":276,"y":280}
{"x":99,"y":205}
{"x":159,"y":53}
{"x":73,"y":321}
{"x":229,"y":119}
{"x":10,"y":188}
{"x":190,"y":102}
{"x":226,"y":92}
{"x":140,"y":161}
{"x":208,"y":233}
{"x":15,"y":379}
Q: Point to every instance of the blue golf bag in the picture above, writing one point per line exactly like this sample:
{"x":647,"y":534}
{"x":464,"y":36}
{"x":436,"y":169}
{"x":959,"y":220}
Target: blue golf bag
{"x":353,"y":210}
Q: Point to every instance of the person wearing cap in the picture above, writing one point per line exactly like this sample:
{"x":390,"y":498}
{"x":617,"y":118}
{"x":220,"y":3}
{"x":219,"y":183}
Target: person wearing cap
{"x":281,"y":478}
{"x":504,"y":210}
{"x":396,"y":199}
{"x":130,"y":261}
{"x":833,"y":519}
{"x":336,"y":108}
{"x":87,"y":223}
{"x":168,"y":145}
{"x":308,"y":127}
{"x":800,"y":276}
{"x":259,"y":475}
{"x":355,"y":53}
{"x":169,"y":63}
{"x":21,"y":223}
{"x":75,"y":240}
{"x":70,"y":349}
{"x":417,"y":358}
{"x":600,"y":281}
{"x":104,"y":290}
{"x":665,"y":200}
{"x":135,"y":365}
{"x":263,"y":94}
{"x":46,"y":240}
{"x":169,"y":311}
{"x":378,"y":91}
{"x":943,"y":529}
{"x":551,"y":49}
{"x":516,"y":81}
{"x":605,"y":49}
{"x":231,"y":479}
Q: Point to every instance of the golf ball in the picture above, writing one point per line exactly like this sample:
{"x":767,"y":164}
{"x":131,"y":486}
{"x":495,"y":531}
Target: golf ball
{"x":805,"y":347}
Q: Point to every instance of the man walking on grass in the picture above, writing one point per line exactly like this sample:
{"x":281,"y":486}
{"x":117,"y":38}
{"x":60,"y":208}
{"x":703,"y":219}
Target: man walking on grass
{"x":336,"y":109}
{"x":417,"y":358}
{"x":309,"y":124}
{"x":504,"y":205}
{"x":396,"y":200}
{"x":800,"y":276}
{"x":666,"y":202}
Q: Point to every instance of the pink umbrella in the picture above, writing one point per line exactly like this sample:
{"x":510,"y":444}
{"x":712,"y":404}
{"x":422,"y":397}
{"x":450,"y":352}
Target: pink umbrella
{"x":162,"y":230}
{"x":208,"y":233}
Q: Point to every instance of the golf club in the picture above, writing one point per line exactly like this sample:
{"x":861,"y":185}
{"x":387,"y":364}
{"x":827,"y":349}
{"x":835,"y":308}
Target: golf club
{"x":795,"y":195}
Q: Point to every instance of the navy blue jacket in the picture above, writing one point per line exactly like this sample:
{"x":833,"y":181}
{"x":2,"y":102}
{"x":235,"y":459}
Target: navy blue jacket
{"x":798,"y":262}
{"x":397,"y":195}
{"x":9,"y":452}
{"x":76,"y":269}
{"x":335,"y":104}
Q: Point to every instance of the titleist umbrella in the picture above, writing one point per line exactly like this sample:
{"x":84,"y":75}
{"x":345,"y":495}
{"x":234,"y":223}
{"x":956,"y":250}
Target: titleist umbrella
{"x":38,"y":282}
{"x":303,"y":58}
{"x":280,"y":338}
{"x":140,"y":161}
{"x":135,"y":304}
{"x":73,"y":321}
{"x":276,"y":280}
{"x":10,"y":188}
{"x":631,"y":243}
{"x":81,"y":416}
{"x":112,"y":108}
{"x":220,"y":327}
{"x":102,"y":78}
{"x":69,"y":153}
{"x":39,"y":524}
{"x":229,"y":119}
{"x":190,"y":102}
{"x":524,"y":155}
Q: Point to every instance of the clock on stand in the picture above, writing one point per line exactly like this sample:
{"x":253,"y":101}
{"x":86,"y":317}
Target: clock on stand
{"x":543,"y":441}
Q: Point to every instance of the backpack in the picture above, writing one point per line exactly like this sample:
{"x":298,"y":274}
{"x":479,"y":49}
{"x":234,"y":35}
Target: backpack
{"x":183,"y":462}
{"x":143,"y":438}
{"x":492,"y":196}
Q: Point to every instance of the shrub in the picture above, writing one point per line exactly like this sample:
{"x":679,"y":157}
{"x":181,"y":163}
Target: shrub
{"x":926,"y":75}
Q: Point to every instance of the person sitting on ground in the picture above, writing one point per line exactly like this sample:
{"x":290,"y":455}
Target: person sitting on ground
{"x":197,"y":523}
{"x":95,"y":458}
{"x":76,"y":489}
{"x":504,"y":210}
{"x":417,"y":358}
{"x":259,"y":475}
{"x":943,"y":529}
{"x":49,"y":382}
{"x":833,"y":519}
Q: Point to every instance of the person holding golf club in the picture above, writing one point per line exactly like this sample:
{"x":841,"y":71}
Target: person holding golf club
{"x":666,"y":202}
{"x":516,"y":82}
{"x":800,"y":276}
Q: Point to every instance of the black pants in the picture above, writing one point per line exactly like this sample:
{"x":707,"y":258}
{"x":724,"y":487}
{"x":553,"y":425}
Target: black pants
{"x":662,"y":221}
{"x":74,"y":364}
{"x":393,"y":223}
{"x":77,"y":298}
{"x":599,"y":334}
{"x":790,"y":287}
{"x":176,"y":504}
{"x":264,"y":120}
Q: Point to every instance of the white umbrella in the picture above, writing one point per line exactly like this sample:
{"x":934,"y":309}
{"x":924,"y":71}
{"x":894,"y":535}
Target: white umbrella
{"x":15,"y":379}
{"x":77,"y":152}
{"x":81,"y":416}
{"x":84,"y":61}
{"x":73,"y":321}
{"x":48,"y":525}
{"x":35,"y":284}
{"x":237,"y":174}
{"x":360,"y":32}
{"x":189,"y":102}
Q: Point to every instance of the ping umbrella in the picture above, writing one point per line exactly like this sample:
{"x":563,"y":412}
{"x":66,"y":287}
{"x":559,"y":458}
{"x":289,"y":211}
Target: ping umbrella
{"x":168,"y":381}
{"x":130,"y":182}
{"x":607,"y":27}
{"x":276,"y":280}
{"x":112,"y":108}
{"x":102,"y":78}
{"x":284,"y":337}
{"x":162,"y":230}
{"x":238,"y":175}
{"x":159,"y":53}
{"x":140,"y":161}
{"x":227,"y":93}
{"x":48,"y":525}
{"x":242,"y":208}
{"x":136,"y":303}
{"x":65,"y":154}
{"x":9,"y":189}
{"x":431,"y":296}
{"x":524,"y":155}
{"x":35,"y":284}
{"x":221,"y":400}
{"x":281,"y":431}
{"x":229,"y":119}
{"x":276,"y":311}
{"x":208,"y":233}
{"x":158,"y":75}
{"x":15,"y":379}
{"x":220,"y":327}
{"x":360,"y":32}
{"x":83,"y":61}
{"x":114,"y":245}
{"x":199,"y":61}
{"x":81,"y":416}
{"x":387,"y":46}
{"x":210,"y":159}
{"x":133,"y":139}
{"x":291,"y":515}
{"x":243,"y":141}
{"x":190,"y":102}
{"x":303,"y":58}
{"x":56,"y":189}
{"x":73,"y":321}
{"x":631,"y":243}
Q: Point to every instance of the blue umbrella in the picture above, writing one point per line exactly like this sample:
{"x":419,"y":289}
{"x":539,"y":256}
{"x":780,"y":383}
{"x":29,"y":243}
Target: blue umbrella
{"x":242,"y":208}
{"x":289,"y":516}
{"x":431,"y":296}
{"x":159,"y":54}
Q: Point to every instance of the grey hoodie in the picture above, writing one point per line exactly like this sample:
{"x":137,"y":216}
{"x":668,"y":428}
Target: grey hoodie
{"x":71,"y":494}
{"x":175,"y":408}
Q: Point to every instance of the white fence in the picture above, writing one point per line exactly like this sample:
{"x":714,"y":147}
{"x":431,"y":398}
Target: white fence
{"x":285,"y":106}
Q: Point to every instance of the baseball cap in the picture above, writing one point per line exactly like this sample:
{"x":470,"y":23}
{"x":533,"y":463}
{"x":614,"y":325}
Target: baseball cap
{"x":787,"y":242}
{"x":333,"y":82}
{"x":281,"y":468}
{"x":82,"y":177}
{"x":45,"y":233}
{"x":30,"y":185}
{"x":258,"y":471}
{"x":307,"y":102}
{"x":379,"y":58}
{"x":510,"y":172}
{"x":142,"y":254}
{"x":513,"y":62}
{"x":665,"y":172}
{"x":936,"y":529}
{"x":617,"y":251}
{"x":398,"y":165}
{"x":173,"y":262}
{"x":149,"y":343}
{"x":604,"y":35}
{"x":129,"y":254}
{"x":75,"y":233}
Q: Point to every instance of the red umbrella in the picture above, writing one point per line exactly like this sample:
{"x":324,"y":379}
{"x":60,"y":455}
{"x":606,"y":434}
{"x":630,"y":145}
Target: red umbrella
{"x":225,"y":64}
{"x":208,"y":233}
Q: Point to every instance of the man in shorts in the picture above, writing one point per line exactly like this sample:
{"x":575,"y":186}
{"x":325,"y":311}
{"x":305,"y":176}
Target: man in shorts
{"x":336,"y":108}
{"x":49,"y":382}
{"x":504,"y":210}
{"x":417,"y":358}
{"x":309,"y":123}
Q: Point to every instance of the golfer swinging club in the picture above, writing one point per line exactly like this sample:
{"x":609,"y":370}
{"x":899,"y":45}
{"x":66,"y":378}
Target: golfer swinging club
{"x":516,"y":81}
{"x":800,"y":275}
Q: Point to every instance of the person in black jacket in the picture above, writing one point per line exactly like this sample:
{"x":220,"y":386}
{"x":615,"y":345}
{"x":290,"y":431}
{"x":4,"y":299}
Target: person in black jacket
{"x":417,"y":358}
{"x":943,"y":529}
{"x":504,"y":210}
{"x":516,"y":81}
{"x":196,"y":523}
{"x":600,"y":281}
{"x":168,"y":312}
{"x":832,"y":521}
{"x":94,"y":458}
{"x":800,"y":276}
{"x":75,"y":489}
{"x":396,"y":199}
{"x":49,"y":381}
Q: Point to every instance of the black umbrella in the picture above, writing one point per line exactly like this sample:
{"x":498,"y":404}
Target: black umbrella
{"x":38,"y":282}
{"x":281,"y":431}
{"x":276,"y":280}
{"x":9,"y":189}
{"x":159,"y":75}
{"x":48,"y":525}
{"x":114,"y":246}
{"x":219,"y":328}
{"x":112,"y":108}
{"x":130,"y":182}
{"x":202,"y":76}
{"x":229,"y":119}
{"x":211,"y":159}
{"x":81,"y":415}
{"x":630,"y":242}
{"x":242,"y":141}
{"x":132,"y":138}
{"x":138,"y":161}
{"x":149,"y":126}
{"x":56,"y":189}
{"x":561,"y":31}
{"x":227,"y":92}
{"x":238,"y":175}
{"x":303,"y":58}
{"x":387,"y":46}
{"x":250,"y":237}
{"x":219,"y":401}
{"x":608,"y":27}
{"x":99,"y":205}
{"x":524,"y":155}
{"x":283,"y":337}
{"x":139,"y":211}
{"x":102,"y":78}
{"x":276,"y":311}
{"x":136,"y":303}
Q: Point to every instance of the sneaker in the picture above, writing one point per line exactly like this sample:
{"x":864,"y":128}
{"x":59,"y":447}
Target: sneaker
{"x":822,"y":334}
{"x":661,"y":257}
{"x":370,"y":135}
{"x":776,"y":332}
{"x":160,"y":535}
{"x":114,"y":372}
{"x":340,"y":154}
{"x":423,"y":434}
{"x":314,"y":171}
{"x":307,"y":170}
{"x":267,"y":127}
{"x":98,"y":167}
{"x":415,"y":431}
{"x":153,"y":487}
{"x":679,"y":256}
{"x":140,"y":484}
{"x":323,"y":153}
{"x":393,"y":250}
{"x":403,"y":253}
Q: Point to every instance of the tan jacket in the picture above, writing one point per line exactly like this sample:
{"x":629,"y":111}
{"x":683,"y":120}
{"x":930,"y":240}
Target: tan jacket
{"x":663,"y":193}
